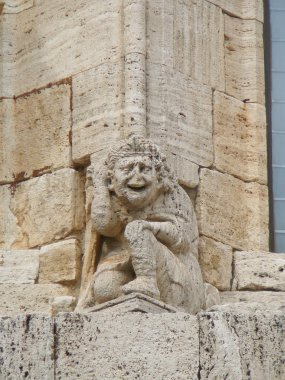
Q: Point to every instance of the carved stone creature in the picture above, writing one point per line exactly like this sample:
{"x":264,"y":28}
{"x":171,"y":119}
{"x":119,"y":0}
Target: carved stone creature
{"x":149,"y":229}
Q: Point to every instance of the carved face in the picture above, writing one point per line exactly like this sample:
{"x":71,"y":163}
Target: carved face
{"x":134,"y":181}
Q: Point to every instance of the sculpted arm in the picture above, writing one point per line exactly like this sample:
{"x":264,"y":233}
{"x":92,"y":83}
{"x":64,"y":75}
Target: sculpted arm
{"x":105,"y":220}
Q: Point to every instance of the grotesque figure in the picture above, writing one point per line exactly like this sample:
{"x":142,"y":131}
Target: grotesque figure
{"x":148,"y":227}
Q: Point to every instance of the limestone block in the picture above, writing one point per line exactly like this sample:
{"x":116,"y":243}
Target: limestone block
{"x":212,"y":296}
{"x":16,"y":6}
{"x":215,"y":259}
{"x":29,"y":298}
{"x":244,"y":58}
{"x":48,"y":53}
{"x":264,"y":300}
{"x":37,"y":138}
{"x":245,"y":9}
{"x":26,"y":347}
{"x":41,"y":210}
{"x":60,"y":262}
{"x":189,"y":36}
{"x":240,"y":138}
{"x":8,"y":35}
{"x":180,"y":115}
{"x":7,"y":138}
{"x":185,"y":170}
{"x":97,"y":109}
{"x":19,"y":267}
{"x":259,"y":270}
{"x":242,"y":345}
{"x":62,"y":304}
{"x":233,"y":212}
{"x":131,"y":346}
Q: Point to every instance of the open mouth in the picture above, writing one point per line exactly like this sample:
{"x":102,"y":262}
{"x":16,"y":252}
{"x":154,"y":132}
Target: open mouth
{"x":137,"y":188}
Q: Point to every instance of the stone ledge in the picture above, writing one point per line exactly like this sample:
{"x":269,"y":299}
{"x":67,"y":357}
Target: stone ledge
{"x":228,"y":343}
{"x":135,"y":302}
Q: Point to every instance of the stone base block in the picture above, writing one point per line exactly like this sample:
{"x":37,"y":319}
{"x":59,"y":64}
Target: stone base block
{"x":224,"y":343}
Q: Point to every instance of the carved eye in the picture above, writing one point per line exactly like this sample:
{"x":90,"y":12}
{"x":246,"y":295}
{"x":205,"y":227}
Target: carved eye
{"x":145,"y":168}
{"x":129,"y":168}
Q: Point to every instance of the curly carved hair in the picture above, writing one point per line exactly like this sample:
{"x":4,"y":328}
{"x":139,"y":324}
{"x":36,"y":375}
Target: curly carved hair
{"x":137,"y":145}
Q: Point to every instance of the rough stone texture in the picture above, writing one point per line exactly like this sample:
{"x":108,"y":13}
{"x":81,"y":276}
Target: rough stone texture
{"x":246,"y":9}
{"x":41,"y":210}
{"x":27,"y":348}
{"x":240,"y":138}
{"x":19,"y":267}
{"x":187,"y":36}
{"x":148,"y":228}
{"x":49,"y":54}
{"x":259,"y":271}
{"x":35,"y":133}
{"x":185,"y":171}
{"x":263,"y":299}
{"x":62,"y":304}
{"x":29,"y":298}
{"x":242,"y":345}
{"x":231,"y":342}
{"x":98,"y":109}
{"x":216,"y":259}
{"x":180,"y":115}
{"x":16,"y":6}
{"x":135,"y":302}
{"x":212,"y":296}
{"x":130,"y":346}
{"x":233,"y":212}
{"x":244,"y":57}
{"x":60,"y":262}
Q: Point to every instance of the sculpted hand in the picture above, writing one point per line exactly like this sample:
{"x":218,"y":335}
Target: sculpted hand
{"x":135,"y":228}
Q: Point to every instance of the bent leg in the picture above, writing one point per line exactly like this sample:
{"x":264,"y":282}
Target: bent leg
{"x":180,"y":285}
{"x":143,"y":254}
{"x":108,"y":284}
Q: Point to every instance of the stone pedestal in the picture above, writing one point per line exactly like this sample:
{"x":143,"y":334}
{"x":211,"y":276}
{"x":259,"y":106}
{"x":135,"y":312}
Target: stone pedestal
{"x":136,"y":337}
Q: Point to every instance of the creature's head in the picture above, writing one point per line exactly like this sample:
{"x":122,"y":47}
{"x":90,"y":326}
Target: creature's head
{"x":137,"y":172}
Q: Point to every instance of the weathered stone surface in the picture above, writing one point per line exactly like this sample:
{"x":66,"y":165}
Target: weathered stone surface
{"x":244,"y":58}
{"x":27,"y":348}
{"x":185,"y":170}
{"x":29,"y":298}
{"x":135,"y":302}
{"x":180,"y":115}
{"x":98,"y":109}
{"x":240,"y":138}
{"x":60,"y":262}
{"x":19,"y":267}
{"x":41,"y":210}
{"x":212,"y":296}
{"x":189,"y":36}
{"x":131,"y":346}
{"x":246,"y":9}
{"x":49,"y":54}
{"x":233,"y":212}
{"x":259,"y":270}
{"x":264,"y":300}
{"x":35,"y":133}
{"x":242,"y":345}
{"x":16,"y":6}
{"x":149,"y":229}
{"x":216,"y":259}
{"x":62,"y":304}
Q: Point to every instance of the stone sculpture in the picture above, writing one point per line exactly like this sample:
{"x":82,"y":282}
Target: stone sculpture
{"x":148,"y":228}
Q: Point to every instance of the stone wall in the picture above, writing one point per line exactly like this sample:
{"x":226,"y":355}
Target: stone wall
{"x":77,"y":76}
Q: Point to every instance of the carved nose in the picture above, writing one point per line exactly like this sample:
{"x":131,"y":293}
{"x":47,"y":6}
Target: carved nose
{"x":136,"y":179}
